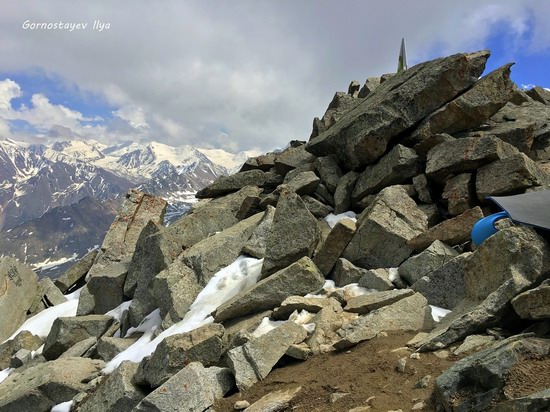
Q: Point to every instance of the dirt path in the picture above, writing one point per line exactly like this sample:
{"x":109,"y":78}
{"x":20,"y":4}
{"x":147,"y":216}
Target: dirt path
{"x":367,"y":373}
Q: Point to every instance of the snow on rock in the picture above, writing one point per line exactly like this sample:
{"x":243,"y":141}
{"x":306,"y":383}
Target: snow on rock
{"x":225,"y":284}
{"x":4,"y":374}
{"x":41,"y":323}
{"x":438,"y":313}
{"x":332,"y":219}
{"x":117,"y":312}
{"x":63,"y":407}
{"x":266,"y":326}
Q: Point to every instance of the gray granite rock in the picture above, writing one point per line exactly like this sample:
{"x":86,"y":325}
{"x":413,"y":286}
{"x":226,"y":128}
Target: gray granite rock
{"x":444,"y":287}
{"x":480,"y":378}
{"x":452,"y":231}
{"x":361,"y":136}
{"x":343,"y":192}
{"x":367,"y":303}
{"x":194,"y":388}
{"x":294,"y":233}
{"x":221,"y":249}
{"x":254,"y":360}
{"x":427,"y":261}
{"x":333,"y":246}
{"x":66,"y":331}
{"x":465,"y":155}
{"x":377,"y":279}
{"x":41,"y":387}
{"x":300,"y":278}
{"x":384,"y":230}
{"x":485,"y":98}
{"x":509,"y":176}
{"x":202,"y":345}
{"x":117,"y":393}
{"x":411,"y":313}
{"x":19,"y":287}
{"x":400,"y":165}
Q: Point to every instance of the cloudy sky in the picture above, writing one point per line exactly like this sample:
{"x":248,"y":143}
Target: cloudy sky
{"x":233,"y":74}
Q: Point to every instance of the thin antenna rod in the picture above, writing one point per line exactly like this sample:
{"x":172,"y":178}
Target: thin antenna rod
{"x":402,"y":63}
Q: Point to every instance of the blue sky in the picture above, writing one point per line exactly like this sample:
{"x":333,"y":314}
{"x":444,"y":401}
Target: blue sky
{"x":237,"y":76}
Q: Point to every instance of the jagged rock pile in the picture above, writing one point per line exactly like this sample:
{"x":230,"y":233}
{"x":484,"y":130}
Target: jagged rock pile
{"x":413,"y":155}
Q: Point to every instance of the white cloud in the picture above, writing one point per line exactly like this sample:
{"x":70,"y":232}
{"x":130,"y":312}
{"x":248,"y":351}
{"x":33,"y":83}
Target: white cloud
{"x":245,"y":74}
{"x":133,"y":115}
{"x":8,"y":91}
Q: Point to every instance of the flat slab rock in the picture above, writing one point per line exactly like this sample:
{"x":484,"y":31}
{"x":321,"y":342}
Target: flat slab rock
{"x":41,"y":387}
{"x":194,"y":388}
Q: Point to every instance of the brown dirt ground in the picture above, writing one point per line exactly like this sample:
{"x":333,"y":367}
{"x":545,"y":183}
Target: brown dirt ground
{"x":367,"y":372}
{"x":529,"y":375}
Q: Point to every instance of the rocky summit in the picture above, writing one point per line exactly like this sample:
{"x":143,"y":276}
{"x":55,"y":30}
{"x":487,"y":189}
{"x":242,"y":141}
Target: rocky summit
{"x":335,"y":275}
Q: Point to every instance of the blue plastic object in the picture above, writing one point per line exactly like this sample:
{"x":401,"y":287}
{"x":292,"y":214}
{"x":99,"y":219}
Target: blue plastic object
{"x":485,"y":227}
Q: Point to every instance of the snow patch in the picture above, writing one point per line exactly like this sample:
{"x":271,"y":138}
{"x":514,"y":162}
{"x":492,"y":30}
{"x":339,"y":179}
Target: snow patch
{"x":63,"y":407}
{"x":4,"y":374}
{"x":41,"y":323}
{"x":266,"y":326}
{"x":228,"y":282}
{"x":47,"y":264}
{"x":439,"y":313}
{"x":332,"y":219}
{"x":117,"y":312}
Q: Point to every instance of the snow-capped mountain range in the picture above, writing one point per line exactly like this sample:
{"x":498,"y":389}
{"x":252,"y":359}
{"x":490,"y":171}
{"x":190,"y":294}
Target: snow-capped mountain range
{"x":36,"y":179}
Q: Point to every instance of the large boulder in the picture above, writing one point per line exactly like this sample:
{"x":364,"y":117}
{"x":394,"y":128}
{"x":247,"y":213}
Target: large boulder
{"x":304,"y":183}
{"x":477,"y":382}
{"x":194,"y":388}
{"x":48,"y":295}
{"x":509,"y":176}
{"x":400,"y":165}
{"x":117,"y":393}
{"x":23,"y":340}
{"x":105,"y":289}
{"x":506,"y":264}
{"x":311,"y":305}
{"x":364,"y":304}
{"x":410,"y":313}
{"x":300,"y":278}
{"x":41,"y":387}
{"x":431,"y":259}
{"x":173,"y":290}
{"x":256,"y":244}
{"x":202,"y":345}
{"x":384,"y":230}
{"x":292,"y":158}
{"x":465,"y":155}
{"x":294,"y":233}
{"x":218,"y":251}
{"x":460,"y":193}
{"x":158,"y":249}
{"x":343,"y":192}
{"x":533,"y":303}
{"x":452,"y":231}
{"x":333,"y":246}
{"x":329,"y":171}
{"x":106,"y":277}
{"x":76,"y":272}
{"x":66,"y":331}
{"x":18,"y":287}
{"x":233,"y":183}
{"x":485,"y":98}
{"x":345,"y":273}
{"x":361,"y":136}
{"x":253,"y":361}
{"x":444,"y":287}
{"x":524,"y":126}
